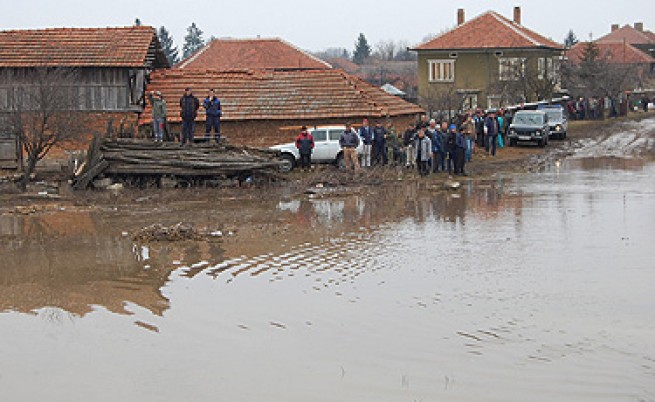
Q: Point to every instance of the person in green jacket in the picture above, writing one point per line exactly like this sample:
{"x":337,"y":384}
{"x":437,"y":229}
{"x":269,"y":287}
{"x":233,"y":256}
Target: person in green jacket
{"x":158,"y":114}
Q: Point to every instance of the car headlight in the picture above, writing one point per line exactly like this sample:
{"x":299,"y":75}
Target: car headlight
{"x":558,"y":128}
{"x":538,"y":132}
{"x":512,"y":132}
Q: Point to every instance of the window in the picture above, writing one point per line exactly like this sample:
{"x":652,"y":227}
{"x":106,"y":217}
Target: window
{"x":335,"y":135}
{"x":511,"y":68}
{"x":470,"y":102}
{"x":548,"y":68}
{"x":319,"y":135}
{"x":441,"y":70}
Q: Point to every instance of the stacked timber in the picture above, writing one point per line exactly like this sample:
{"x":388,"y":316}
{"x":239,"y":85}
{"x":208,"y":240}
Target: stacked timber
{"x":134,"y":158}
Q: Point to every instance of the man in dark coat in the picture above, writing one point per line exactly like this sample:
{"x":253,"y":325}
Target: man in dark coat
{"x":213,"y":113}
{"x":189,"y":106}
{"x":379,"y":144}
{"x":305,"y":145}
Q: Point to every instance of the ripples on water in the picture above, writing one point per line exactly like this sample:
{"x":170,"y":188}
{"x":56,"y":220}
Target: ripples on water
{"x":536,"y":289}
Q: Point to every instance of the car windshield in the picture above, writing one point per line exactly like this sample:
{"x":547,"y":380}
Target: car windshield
{"x":335,"y":135}
{"x":531,"y":119}
{"x":554,"y":115}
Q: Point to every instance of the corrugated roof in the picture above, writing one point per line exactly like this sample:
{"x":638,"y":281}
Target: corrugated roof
{"x":78,"y":47}
{"x":613,"y":52}
{"x":251,"y":53}
{"x":630,"y":35}
{"x":279,"y":95}
{"x":489,"y":31}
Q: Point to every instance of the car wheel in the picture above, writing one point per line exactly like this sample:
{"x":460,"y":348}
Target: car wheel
{"x":512,"y":142}
{"x":541,"y":143}
{"x":563,"y":135}
{"x":288,"y":163}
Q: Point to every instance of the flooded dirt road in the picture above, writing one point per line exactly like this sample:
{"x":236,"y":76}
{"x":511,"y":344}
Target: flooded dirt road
{"x":525,"y":287}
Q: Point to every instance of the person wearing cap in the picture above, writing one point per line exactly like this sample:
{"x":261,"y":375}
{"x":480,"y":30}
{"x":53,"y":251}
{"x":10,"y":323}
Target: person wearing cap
{"x":366,"y":135}
{"x":423,"y":146}
{"x":439,"y":148}
{"x":349,"y":141}
{"x":189,"y":106}
{"x":491,"y":127}
{"x":213,"y":113}
{"x":305,"y":145}
{"x":158,"y":115}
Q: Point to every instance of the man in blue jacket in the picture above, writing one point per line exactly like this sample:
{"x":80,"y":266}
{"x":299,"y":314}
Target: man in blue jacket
{"x":492,"y":129}
{"x":439,"y":149}
{"x":366,"y":135}
{"x":213,"y":113}
{"x":189,"y":105}
{"x":380,"y":144}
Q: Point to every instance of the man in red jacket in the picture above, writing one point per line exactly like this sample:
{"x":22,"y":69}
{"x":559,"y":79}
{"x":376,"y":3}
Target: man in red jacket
{"x":305,"y":145}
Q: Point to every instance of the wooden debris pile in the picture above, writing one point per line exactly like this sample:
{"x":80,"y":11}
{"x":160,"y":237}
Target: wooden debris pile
{"x":125,"y":158}
{"x":178,"y":232}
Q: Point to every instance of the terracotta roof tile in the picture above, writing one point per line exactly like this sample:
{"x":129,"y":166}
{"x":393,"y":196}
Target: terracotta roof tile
{"x":279,"y":95}
{"x":613,"y":52}
{"x":76,"y":47}
{"x":630,"y":35}
{"x":489,"y":31}
{"x":251,"y":53}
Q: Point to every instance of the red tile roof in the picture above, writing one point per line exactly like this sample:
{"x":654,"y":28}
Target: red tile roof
{"x":279,"y":95}
{"x":630,"y":35}
{"x":78,"y":47}
{"x":344,"y":64}
{"x":489,"y":31}
{"x":613,"y":52}
{"x":251,"y":54}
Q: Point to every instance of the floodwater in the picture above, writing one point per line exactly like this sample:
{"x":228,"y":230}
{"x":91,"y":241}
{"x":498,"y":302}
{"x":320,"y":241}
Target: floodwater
{"x":537,"y":287}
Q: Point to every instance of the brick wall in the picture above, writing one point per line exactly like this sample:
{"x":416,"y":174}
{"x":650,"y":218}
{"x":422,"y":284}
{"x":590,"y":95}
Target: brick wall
{"x":267,"y":133}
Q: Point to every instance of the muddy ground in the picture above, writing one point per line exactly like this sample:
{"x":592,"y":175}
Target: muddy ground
{"x":52,"y":193}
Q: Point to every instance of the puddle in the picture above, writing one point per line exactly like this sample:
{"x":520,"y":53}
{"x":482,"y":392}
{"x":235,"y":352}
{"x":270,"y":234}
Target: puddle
{"x":537,"y":285}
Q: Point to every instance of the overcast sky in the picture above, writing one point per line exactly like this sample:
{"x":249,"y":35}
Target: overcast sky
{"x":316,"y":25}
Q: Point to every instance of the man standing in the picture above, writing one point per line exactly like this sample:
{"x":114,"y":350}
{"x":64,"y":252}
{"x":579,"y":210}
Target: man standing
{"x":479,"y":127}
{"x":491,"y":126}
{"x":408,"y":142}
{"x":423,"y":147}
{"x":213,"y":114}
{"x":439,"y":149}
{"x":349,"y":141}
{"x":430,"y":133}
{"x":379,"y":144}
{"x":460,"y":150}
{"x":366,"y":134}
{"x":158,"y":115}
{"x":305,"y":145}
{"x":189,"y":106}
{"x":393,"y":144}
{"x":451,"y":148}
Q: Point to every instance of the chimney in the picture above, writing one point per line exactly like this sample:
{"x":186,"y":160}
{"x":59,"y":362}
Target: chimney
{"x":460,"y":16}
{"x":517,"y":15}
{"x":615,"y":27}
{"x":639,"y":26}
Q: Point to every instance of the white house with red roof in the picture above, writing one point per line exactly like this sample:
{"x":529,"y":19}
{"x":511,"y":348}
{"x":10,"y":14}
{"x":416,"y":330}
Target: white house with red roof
{"x":488,"y":62}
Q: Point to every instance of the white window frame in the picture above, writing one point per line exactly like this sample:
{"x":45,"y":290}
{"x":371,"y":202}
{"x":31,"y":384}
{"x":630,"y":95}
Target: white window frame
{"x":470,"y":101}
{"x":548,"y":68}
{"x":515,"y":65}
{"x":438,"y":72}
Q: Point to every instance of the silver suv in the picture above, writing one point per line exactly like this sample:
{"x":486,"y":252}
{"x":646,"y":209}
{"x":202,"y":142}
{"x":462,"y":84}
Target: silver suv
{"x":326,"y":148}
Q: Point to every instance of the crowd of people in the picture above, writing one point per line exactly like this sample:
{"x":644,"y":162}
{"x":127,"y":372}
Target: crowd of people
{"x":430,"y":146}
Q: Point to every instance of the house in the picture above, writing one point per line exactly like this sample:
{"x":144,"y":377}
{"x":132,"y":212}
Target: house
{"x":113,"y":67}
{"x":635,"y":36}
{"x":267,"y":107}
{"x":619,"y":53}
{"x":489,"y":61}
{"x":259,"y":53}
{"x":269,"y":89}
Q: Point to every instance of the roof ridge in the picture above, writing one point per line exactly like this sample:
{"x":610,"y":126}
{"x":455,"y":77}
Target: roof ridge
{"x":514,"y":28}
{"x":195,"y":55}
{"x":328,"y":65}
{"x":452,"y":29}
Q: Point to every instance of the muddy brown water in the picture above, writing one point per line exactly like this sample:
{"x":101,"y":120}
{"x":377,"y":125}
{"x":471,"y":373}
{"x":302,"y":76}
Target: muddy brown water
{"x":532,"y":287}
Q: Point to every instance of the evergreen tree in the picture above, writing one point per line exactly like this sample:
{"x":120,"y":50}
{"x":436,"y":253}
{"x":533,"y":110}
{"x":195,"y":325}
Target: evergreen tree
{"x":137,"y":22}
{"x":570,"y":39}
{"x":362,"y":50}
{"x":170,"y":50}
{"x":192,"y":41}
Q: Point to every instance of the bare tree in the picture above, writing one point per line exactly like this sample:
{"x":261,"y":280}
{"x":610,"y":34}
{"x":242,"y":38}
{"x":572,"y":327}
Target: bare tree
{"x":443,"y":101}
{"x":42,"y":112}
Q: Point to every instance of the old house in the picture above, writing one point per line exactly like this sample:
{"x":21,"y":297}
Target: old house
{"x":634,"y":35}
{"x":266,"y":107}
{"x":269,"y":89}
{"x":112,"y":66}
{"x":489,"y":61}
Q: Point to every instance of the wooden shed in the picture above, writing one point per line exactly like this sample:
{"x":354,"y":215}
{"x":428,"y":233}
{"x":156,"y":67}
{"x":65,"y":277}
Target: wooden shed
{"x":113,"y":66}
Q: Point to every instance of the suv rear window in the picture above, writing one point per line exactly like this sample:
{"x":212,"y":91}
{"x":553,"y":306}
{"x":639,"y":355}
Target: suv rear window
{"x":319,"y":135}
{"x":335,"y":135}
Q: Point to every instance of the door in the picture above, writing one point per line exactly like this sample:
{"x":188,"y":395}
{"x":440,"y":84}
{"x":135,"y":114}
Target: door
{"x":321,"y":145}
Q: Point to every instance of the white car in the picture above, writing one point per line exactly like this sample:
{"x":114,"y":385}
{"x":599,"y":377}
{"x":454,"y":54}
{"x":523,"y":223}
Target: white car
{"x":326,"y":148}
